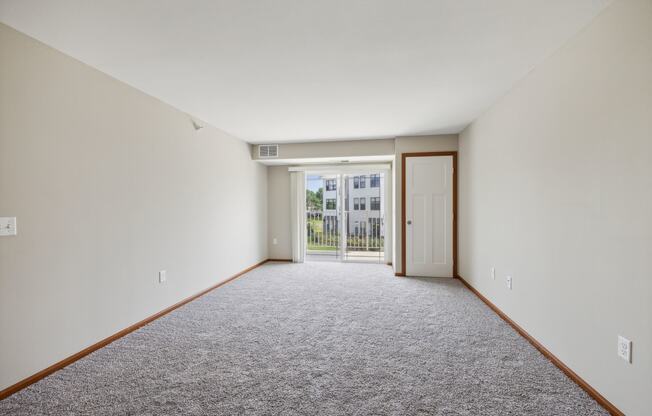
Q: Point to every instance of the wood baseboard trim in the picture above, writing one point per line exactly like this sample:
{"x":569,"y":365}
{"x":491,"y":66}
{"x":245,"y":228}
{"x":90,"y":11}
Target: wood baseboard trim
{"x":281,"y":260}
{"x":399,"y":274}
{"x":106,"y":341}
{"x":613,"y":410}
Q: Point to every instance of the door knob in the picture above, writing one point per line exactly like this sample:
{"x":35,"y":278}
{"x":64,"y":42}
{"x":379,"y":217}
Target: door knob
{"x":409,"y":222}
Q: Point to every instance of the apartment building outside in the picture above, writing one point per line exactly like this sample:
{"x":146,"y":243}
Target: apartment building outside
{"x":363,"y":200}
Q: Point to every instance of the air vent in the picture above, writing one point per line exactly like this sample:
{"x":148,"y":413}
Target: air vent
{"x":267,"y":150}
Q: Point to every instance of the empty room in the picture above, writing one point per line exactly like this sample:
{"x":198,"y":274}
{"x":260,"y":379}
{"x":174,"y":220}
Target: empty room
{"x":343,"y":207}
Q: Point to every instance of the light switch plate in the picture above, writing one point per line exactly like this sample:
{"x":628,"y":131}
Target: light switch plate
{"x":509,"y":282}
{"x":493,"y":273}
{"x":162,"y":276}
{"x":7,"y":226}
{"x":625,"y":349}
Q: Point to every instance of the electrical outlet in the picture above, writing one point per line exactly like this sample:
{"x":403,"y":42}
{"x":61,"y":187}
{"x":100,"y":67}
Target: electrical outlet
{"x":162,"y":276}
{"x":625,"y":349}
{"x":7,"y":226}
{"x":509,"y":282}
{"x":275,"y":241}
{"x":493,"y":273}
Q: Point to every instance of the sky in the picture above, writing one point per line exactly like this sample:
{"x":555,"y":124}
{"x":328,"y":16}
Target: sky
{"x":314,"y":182}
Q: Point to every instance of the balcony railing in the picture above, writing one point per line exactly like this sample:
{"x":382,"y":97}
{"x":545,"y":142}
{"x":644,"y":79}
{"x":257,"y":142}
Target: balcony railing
{"x":323,"y":234}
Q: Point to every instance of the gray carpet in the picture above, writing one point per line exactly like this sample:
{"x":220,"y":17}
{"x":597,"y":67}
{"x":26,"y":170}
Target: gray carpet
{"x":316,"y":339}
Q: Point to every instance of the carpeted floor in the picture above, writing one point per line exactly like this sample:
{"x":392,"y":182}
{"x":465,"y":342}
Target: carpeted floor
{"x":316,"y":339}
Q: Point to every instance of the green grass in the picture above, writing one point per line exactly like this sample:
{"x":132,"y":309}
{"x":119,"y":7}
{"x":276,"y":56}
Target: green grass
{"x":318,"y":242}
{"x":316,"y":225}
{"x":321,"y":248}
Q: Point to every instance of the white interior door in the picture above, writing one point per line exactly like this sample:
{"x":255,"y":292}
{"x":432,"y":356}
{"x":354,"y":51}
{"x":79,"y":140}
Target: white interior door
{"x":429,"y":216}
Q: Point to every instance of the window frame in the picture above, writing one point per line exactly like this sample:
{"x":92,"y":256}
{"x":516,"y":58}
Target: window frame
{"x":372,"y":201}
{"x":374,"y":180}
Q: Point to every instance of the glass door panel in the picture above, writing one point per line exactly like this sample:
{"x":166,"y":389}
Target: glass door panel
{"x":323,"y":217}
{"x":364,"y":217}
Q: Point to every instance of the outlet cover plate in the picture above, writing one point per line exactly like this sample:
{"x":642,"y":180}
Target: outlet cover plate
{"x":7,"y":226}
{"x":509,"y":282}
{"x":625,"y":349}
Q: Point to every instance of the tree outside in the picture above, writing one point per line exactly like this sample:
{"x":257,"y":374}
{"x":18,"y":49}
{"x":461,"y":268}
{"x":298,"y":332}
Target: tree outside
{"x":315,"y":199}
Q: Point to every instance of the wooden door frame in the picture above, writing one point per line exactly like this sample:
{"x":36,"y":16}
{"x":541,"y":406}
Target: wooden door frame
{"x":404,"y":156}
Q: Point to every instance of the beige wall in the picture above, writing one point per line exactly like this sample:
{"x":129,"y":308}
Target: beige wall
{"x":381,"y":147}
{"x":109,"y":186}
{"x":279,"y":182}
{"x":556,"y":190}
{"x":279,"y":221}
{"x":413,"y":144}
{"x":279,"y":218}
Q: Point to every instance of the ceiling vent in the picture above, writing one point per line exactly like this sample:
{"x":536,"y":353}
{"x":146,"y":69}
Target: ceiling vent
{"x":266,"y":151}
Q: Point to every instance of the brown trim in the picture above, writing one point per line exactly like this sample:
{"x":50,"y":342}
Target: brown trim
{"x":403,"y":224}
{"x":281,"y":260}
{"x":106,"y":341}
{"x":613,"y":410}
{"x":399,"y":274}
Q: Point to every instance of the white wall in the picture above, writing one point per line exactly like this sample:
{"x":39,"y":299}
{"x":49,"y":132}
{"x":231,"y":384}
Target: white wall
{"x":109,"y":186}
{"x":279,"y":217}
{"x":556,"y":190}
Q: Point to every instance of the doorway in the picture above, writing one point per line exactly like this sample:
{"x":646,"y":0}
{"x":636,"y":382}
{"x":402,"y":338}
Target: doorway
{"x":345,"y":216}
{"x":428,"y":219}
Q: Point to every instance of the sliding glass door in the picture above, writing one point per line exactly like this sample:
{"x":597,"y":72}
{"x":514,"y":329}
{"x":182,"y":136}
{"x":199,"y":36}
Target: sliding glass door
{"x":345,"y":216}
{"x":323,"y":217}
{"x":364,"y":217}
